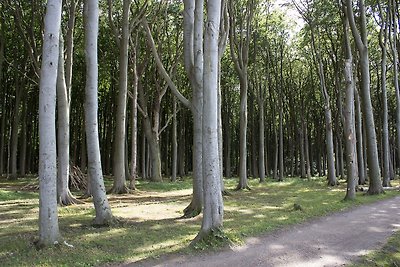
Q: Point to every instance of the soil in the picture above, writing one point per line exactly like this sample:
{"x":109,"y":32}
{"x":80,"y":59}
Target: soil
{"x":335,"y":240}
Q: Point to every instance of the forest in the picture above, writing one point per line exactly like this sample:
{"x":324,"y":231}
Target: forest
{"x":103,"y":100}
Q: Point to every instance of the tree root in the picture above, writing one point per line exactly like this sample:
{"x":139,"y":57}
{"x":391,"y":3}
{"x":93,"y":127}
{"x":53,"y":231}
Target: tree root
{"x":335,"y":183}
{"x":242,"y":187}
{"x":68,"y":199}
{"x":375,"y":192}
{"x":105,"y":222}
{"x":226,"y":193}
{"x":191,"y":211}
{"x":119,"y":190}
{"x":212,"y":238}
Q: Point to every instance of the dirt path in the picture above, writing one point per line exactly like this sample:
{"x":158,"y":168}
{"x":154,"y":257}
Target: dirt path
{"x":335,"y":240}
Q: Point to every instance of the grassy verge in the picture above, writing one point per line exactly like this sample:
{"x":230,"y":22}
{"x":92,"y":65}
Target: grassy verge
{"x":388,"y":255}
{"x":151,"y":220}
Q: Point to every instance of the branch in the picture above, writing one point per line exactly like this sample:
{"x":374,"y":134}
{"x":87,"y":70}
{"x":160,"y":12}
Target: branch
{"x":114,"y":29}
{"x":161,"y":68}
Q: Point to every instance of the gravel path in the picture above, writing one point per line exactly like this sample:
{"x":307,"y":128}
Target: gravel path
{"x":335,"y":240}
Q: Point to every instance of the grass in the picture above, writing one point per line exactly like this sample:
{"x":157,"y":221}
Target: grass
{"x":151,"y":223}
{"x":388,"y":255}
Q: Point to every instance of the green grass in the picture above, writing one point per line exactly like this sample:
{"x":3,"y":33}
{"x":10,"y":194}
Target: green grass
{"x":151,"y":224}
{"x":388,"y":255}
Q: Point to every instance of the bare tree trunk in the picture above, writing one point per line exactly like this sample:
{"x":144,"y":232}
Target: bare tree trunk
{"x":95,"y":174}
{"x":385,"y":127}
{"x":302,"y":150}
{"x":396,"y":70}
{"x":174,"y":142}
{"x":281,"y":167}
{"x":133,"y":165}
{"x":359,"y":137}
{"x":64,"y":195}
{"x":4,"y":102}
{"x":49,"y":234}
{"x":213,"y":204}
{"x":119,"y":185}
{"x":261,"y":156}
{"x":23,"y":143}
{"x":375,"y":186}
{"x":307,"y":154}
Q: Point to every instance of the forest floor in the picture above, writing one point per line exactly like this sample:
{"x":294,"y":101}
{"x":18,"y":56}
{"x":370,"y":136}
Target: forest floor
{"x":335,"y":240}
{"x":152,"y":232}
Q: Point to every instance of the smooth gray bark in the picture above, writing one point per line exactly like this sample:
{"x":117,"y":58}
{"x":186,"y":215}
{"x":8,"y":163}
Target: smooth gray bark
{"x":213,"y":204}
{"x":48,"y":216}
{"x":95,"y":173}
{"x":119,"y":185}
{"x":360,"y":37}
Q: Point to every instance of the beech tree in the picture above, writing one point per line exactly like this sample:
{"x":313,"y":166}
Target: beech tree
{"x":213,"y":203}
{"x":239,"y":38}
{"x":48,"y":215}
{"x":361,"y":40}
{"x":103,"y":210}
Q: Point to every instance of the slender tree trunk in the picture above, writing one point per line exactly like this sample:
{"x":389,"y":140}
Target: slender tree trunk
{"x":23,"y":143}
{"x":95,"y":174}
{"x":119,"y":185}
{"x":174,"y":142}
{"x":385,"y":124}
{"x":261,"y":157}
{"x":302,"y":151}
{"x":307,"y":154}
{"x":64,"y":195}
{"x":243,"y":135}
{"x":281,"y":167}
{"x":349,"y":128}
{"x":213,"y":204}
{"x":193,"y":49}
{"x":396,"y":73}
{"x":375,"y":186}
{"x":359,"y":137}
{"x":15,"y":127}
{"x":48,"y":216}
{"x":4,"y":102}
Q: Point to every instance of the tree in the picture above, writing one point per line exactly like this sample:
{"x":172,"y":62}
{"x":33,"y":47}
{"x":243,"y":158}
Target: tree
{"x":349,"y":116}
{"x":213,"y":204}
{"x":48,"y":216}
{"x":103,"y":210}
{"x":64,"y":84}
{"x":361,"y":40}
{"x":307,"y":13}
{"x":239,"y":37}
{"x":122,"y":37}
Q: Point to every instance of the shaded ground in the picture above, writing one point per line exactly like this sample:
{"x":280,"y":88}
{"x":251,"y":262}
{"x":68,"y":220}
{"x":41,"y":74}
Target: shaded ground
{"x":334,"y":240}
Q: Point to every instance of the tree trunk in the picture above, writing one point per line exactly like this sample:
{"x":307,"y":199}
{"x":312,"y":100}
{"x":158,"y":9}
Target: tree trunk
{"x":23,"y":143}
{"x":385,"y":124}
{"x":95,"y":174}
{"x":281,"y":167}
{"x":375,"y":186}
{"x":174,"y":142}
{"x":307,"y":154}
{"x":359,"y":137}
{"x":261,"y":157}
{"x":119,"y":185}
{"x":349,"y":128}
{"x":15,"y":127}
{"x":48,"y":216}
{"x":64,"y":195}
{"x":213,"y":204}
{"x":396,"y":73}
{"x":243,"y":135}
